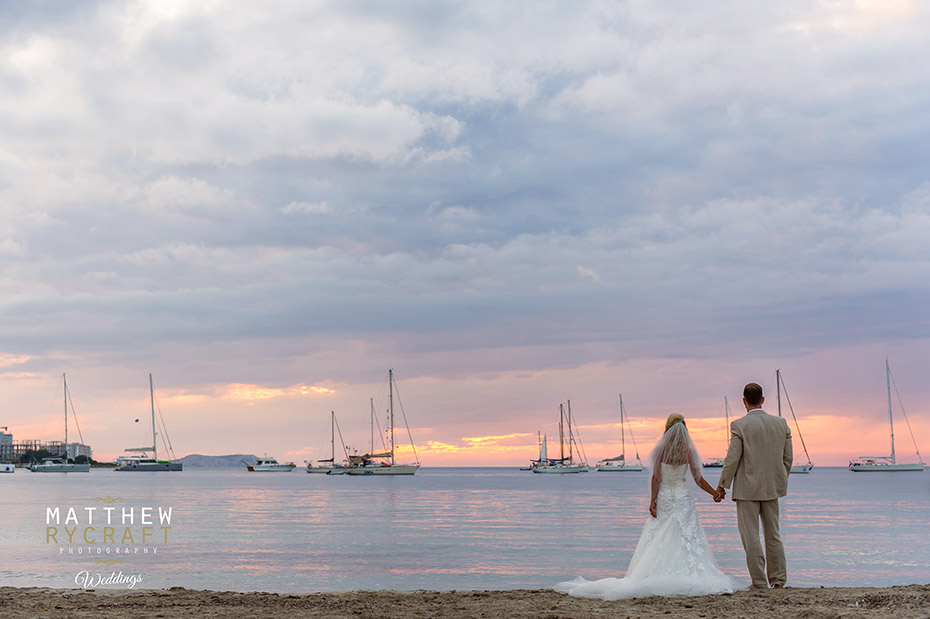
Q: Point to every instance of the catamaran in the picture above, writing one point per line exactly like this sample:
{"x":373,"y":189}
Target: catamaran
{"x":145,"y":462}
{"x":329,"y":466}
{"x":717,"y":463}
{"x":779,"y":387}
{"x":618,"y":463}
{"x":874,"y":464}
{"x":383,"y":463}
{"x":61,"y":465}
{"x":563,"y":464}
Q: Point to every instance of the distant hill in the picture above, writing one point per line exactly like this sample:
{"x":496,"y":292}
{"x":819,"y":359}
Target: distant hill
{"x":230,"y":460}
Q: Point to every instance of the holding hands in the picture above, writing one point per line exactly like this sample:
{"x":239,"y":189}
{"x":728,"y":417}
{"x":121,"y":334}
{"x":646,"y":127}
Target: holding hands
{"x":719,"y":494}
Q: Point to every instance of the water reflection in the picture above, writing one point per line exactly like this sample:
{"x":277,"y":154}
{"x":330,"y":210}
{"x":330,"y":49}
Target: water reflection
{"x":462,"y":529}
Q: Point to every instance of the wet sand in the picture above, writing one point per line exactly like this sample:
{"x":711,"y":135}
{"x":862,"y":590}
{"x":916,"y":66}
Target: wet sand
{"x":176,"y":603}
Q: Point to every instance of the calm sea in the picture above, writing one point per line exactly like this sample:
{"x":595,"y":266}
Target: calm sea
{"x":444,"y":528}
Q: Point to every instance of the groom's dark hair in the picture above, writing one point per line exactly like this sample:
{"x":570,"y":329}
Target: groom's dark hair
{"x":752,"y":392}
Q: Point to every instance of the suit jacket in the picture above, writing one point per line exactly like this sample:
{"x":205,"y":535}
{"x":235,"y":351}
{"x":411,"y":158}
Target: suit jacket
{"x":759,"y":458}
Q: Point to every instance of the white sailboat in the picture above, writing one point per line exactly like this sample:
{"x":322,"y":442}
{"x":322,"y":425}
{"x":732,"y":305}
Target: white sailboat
{"x":563,"y":464}
{"x":717,"y":463}
{"x":875,"y":464}
{"x":145,"y":462}
{"x":61,"y":465}
{"x":779,"y":387}
{"x":329,"y":466}
{"x":384,"y":463}
{"x":619,"y":463}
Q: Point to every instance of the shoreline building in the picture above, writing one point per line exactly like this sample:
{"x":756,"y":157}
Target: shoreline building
{"x":12,"y":451}
{"x":6,"y":444}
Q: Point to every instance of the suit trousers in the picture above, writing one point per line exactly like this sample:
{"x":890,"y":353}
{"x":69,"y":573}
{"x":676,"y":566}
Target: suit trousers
{"x":771,"y":563}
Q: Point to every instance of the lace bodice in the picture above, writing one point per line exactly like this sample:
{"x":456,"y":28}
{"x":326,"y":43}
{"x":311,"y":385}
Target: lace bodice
{"x":673,"y":475}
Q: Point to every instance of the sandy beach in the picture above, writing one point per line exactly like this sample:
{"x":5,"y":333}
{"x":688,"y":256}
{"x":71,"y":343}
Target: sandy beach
{"x":801,"y":603}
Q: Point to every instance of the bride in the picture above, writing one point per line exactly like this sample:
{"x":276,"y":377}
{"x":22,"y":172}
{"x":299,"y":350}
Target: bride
{"x":672,"y":556}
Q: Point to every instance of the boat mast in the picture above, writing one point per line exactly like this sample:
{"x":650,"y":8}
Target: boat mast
{"x":391,"y":400}
{"x":890,"y":417}
{"x":65,"y":382}
{"x":152,"y":398}
{"x":371,"y":420}
{"x":571,"y":437}
{"x":622,"y":434}
{"x":561,"y":433}
{"x":332,"y":435}
{"x":778,"y":389}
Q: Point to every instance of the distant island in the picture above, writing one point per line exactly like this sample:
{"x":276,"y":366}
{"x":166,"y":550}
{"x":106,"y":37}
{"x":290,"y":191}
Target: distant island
{"x":230,"y":460}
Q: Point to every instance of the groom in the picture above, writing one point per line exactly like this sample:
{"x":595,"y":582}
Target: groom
{"x":758,"y":463}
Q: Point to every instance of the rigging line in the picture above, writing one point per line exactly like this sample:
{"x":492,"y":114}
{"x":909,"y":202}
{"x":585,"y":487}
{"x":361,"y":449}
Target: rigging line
{"x":345,"y":450}
{"x":165,"y":440}
{"x":793,"y":416}
{"x":404,"y":415}
{"x":635,"y":447}
{"x":74,"y":416}
{"x":573,"y":437}
{"x":380,"y":435}
{"x":581,"y":445}
{"x":904,"y":413}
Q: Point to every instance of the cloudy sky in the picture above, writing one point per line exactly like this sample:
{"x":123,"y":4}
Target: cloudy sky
{"x":512,"y":204}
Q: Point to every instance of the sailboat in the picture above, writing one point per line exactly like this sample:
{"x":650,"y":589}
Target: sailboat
{"x":563,"y":464}
{"x":717,"y":463}
{"x":873,"y":464}
{"x":383,"y":463}
{"x":780,"y":386}
{"x":61,"y":465}
{"x":619,"y":463}
{"x":329,"y":466}
{"x":146,"y":463}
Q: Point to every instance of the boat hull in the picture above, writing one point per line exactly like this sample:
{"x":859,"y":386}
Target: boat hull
{"x":801,"y":469}
{"x":284,"y":468}
{"x":395,"y":469}
{"x":60,"y":468}
{"x":327,"y":470}
{"x":560,"y":469}
{"x":879,"y":467}
{"x":149,"y":467}
{"x":7,"y":468}
{"x":623,"y":468}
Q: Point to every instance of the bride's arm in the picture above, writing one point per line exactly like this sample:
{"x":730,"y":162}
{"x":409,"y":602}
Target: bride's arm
{"x":706,"y":487}
{"x":655,"y":493}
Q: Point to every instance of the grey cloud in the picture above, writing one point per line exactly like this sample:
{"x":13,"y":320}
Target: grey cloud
{"x":462,"y":176}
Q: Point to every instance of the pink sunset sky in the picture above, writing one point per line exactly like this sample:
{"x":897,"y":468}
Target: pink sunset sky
{"x":511,"y":208}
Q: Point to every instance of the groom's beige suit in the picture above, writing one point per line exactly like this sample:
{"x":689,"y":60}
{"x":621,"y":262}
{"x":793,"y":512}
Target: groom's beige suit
{"x":757,"y":464}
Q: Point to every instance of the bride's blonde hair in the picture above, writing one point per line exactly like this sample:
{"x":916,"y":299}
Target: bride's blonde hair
{"x":673,"y":419}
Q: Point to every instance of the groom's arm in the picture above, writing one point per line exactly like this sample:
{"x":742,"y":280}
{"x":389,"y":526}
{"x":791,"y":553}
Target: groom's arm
{"x":788,"y":455}
{"x":734,"y":453}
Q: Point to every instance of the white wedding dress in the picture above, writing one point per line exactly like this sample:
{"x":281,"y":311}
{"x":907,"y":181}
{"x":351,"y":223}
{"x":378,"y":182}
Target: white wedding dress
{"x":672,"y":556}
